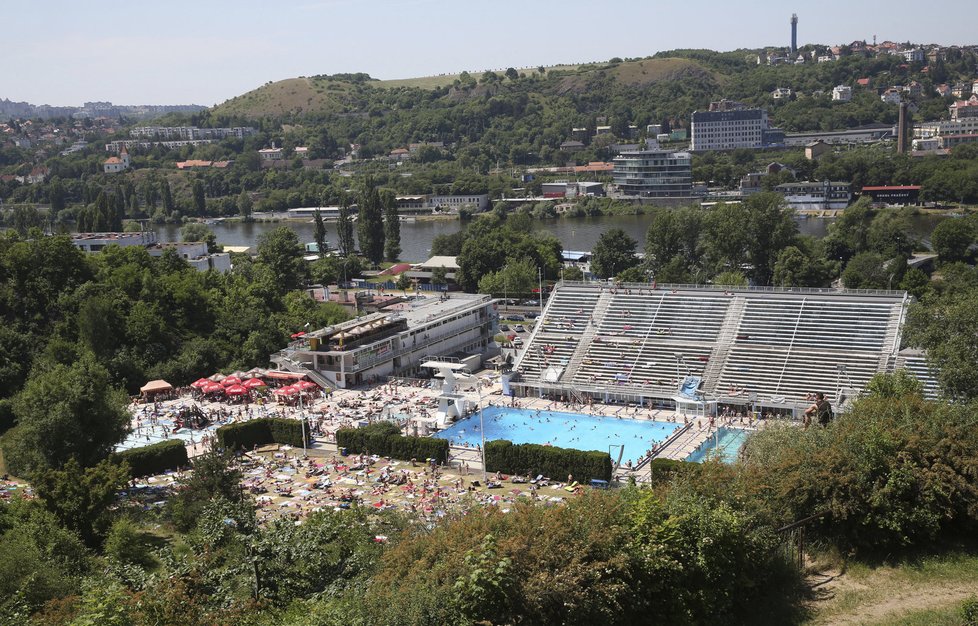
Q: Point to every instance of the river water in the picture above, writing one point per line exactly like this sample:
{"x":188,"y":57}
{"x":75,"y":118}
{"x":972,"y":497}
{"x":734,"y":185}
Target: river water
{"x":579,"y":233}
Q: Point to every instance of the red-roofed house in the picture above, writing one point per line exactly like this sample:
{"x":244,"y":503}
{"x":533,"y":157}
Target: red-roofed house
{"x":864,"y":82}
{"x":965,"y":108}
{"x":114,"y":165}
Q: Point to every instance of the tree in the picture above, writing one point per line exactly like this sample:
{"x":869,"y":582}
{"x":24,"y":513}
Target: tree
{"x":730,"y":278}
{"x":370,"y":225}
{"x":319,"y":234}
{"x":392,"y":226}
{"x":245,"y":206}
{"x":866,"y":270}
{"x":447,"y":244}
{"x":344,"y":229}
{"x":200,"y":202}
{"x":279,"y":250}
{"x":796,"y":268}
{"x":166,"y":195}
{"x":212,"y":479}
{"x":196,"y":231}
{"x":952,"y":239}
{"x":511,"y":73}
{"x":80,"y":497}
{"x":613,"y":253}
{"x":66,"y":411}
{"x":438,"y":276}
{"x":518,"y":278}
{"x":896,"y":385}
{"x":947,"y":328}
{"x":403,"y":282}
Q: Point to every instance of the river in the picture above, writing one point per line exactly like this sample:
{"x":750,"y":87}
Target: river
{"x":577,"y":233}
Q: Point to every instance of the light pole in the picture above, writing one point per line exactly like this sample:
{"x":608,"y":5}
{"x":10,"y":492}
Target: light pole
{"x":482,"y":433}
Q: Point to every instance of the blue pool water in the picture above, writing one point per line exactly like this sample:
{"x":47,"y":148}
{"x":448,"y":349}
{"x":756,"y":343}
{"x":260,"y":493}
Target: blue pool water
{"x":731,"y":440}
{"x":565,"y":430}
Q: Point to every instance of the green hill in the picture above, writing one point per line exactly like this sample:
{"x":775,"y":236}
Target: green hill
{"x":343,"y":93}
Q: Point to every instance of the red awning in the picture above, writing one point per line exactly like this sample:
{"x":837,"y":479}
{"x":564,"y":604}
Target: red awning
{"x":280,"y":375}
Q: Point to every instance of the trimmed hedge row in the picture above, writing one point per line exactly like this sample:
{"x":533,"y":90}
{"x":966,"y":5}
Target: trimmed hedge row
{"x":385,"y":439}
{"x":663,"y":470}
{"x":553,"y":462}
{"x":156,"y":458}
{"x":258,"y":432}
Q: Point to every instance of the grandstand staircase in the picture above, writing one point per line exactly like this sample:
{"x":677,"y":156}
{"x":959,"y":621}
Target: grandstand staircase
{"x":574,"y":363}
{"x":725,"y":340}
{"x":891,"y":341}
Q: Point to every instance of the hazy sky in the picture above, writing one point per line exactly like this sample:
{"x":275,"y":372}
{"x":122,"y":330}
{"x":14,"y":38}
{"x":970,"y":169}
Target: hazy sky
{"x":206,"y":51}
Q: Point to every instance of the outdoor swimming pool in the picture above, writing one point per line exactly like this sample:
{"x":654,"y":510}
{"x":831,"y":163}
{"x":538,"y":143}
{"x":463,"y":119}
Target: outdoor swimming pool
{"x":727,"y":443}
{"x":565,"y":430}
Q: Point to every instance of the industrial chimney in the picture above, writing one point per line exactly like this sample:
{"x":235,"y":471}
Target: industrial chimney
{"x":794,"y":35}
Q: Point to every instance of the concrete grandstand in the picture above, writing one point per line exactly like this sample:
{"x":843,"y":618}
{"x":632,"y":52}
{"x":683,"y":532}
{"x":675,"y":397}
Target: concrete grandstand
{"x":700,"y":346}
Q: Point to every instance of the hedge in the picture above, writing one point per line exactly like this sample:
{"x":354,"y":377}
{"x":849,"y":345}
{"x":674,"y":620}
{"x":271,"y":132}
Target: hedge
{"x":553,"y":462}
{"x":258,"y":432}
{"x":664,"y":470}
{"x":385,"y":439}
{"x":156,"y":458}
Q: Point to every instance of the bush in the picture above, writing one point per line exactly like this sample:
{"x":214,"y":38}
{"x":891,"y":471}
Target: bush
{"x":385,"y":439}
{"x":664,"y":470}
{"x":156,"y":458}
{"x":969,"y":611}
{"x":889,"y":475}
{"x":533,"y":459}
{"x":258,"y":432}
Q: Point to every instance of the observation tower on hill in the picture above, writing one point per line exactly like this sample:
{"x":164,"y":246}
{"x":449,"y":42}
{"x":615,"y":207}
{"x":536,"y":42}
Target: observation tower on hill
{"x":794,"y":35}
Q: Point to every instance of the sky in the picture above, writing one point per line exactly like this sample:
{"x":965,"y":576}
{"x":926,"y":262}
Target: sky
{"x":206,"y":51}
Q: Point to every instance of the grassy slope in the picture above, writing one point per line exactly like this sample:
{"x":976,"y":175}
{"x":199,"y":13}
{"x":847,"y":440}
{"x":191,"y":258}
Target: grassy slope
{"x":293,"y":95}
{"x":323,"y":95}
{"x":928,"y":591}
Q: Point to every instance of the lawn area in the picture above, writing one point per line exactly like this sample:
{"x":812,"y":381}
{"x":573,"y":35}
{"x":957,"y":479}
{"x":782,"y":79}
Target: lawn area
{"x":928,"y":591}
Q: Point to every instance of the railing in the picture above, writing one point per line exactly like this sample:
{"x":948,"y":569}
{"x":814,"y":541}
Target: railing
{"x":793,"y":538}
{"x":757,"y":289}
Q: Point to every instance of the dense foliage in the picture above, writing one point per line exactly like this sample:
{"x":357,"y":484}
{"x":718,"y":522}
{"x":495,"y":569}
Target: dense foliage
{"x":258,"y":432}
{"x":385,"y":439}
{"x":155,"y":458}
{"x":530,"y":459}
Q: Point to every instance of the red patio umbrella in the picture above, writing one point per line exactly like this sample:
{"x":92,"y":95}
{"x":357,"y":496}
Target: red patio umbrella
{"x":305,"y":385}
{"x":286,"y":391}
{"x":253,"y":383}
{"x":200,"y":382}
{"x":212,"y":388}
{"x":298,"y":334}
{"x":218,"y":377}
{"x":231,"y":380}
{"x":236,"y":390}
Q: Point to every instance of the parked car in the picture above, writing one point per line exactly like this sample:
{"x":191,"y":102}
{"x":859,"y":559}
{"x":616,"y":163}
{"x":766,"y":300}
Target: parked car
{"x":517,"y":318}
{"x":521,"y":329}
{"x":504,"y":327}
{"x":517,"y":342}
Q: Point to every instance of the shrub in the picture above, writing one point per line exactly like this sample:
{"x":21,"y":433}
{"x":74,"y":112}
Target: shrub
{"x":888,"y":475}
{"x":663,"y":470}
{"x":533,"y":459}
{"x":385,"y":439}
{"x":258,"y":432}
{"x":156,"y":458}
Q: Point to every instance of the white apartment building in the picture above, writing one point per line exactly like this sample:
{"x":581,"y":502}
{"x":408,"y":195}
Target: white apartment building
{"x":842,"y":93}
{"x":728,"y":130}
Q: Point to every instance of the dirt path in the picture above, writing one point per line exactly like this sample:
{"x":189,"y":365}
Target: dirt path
{"x":842,"y":600}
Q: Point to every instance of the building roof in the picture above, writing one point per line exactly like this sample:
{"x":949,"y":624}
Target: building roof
{"x":112,"y":160}
{"x":893,"y":188}
{"x":449,"y":262}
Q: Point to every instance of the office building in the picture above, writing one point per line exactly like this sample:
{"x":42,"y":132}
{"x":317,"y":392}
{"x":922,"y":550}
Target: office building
{"x":654,"y":173}
{"x":729,"y":127}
